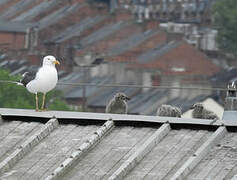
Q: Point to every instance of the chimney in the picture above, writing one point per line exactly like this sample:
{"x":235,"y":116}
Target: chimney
{"x":231,"y":97}
{"x":230,"y":111}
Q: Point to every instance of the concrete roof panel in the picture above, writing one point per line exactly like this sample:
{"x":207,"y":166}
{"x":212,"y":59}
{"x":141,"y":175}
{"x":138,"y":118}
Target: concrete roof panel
{"x":31,"y":148}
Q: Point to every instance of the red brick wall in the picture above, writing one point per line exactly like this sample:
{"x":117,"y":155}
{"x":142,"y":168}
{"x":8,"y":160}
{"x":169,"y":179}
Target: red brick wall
{"x":12,"y":40}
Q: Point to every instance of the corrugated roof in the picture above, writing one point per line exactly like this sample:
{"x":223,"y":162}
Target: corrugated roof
{"x":88,"y":146}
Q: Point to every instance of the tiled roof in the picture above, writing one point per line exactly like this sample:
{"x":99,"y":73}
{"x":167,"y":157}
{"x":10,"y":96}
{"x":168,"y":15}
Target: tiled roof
{"x":35,"y":11}
{"x":89,"y":146}
{"x":158,"y":38}
{"x":57,"y":15}
{"x":16,"y":8}
{"x":129,"y":43}
{"x":102,"y":33}
{"x":77,"y":29}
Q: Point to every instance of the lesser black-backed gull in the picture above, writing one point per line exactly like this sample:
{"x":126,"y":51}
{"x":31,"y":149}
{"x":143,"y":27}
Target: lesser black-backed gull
{"x":42,"y":80}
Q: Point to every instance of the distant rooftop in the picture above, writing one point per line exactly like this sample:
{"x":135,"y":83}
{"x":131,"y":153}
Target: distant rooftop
{"x":15,"y":26}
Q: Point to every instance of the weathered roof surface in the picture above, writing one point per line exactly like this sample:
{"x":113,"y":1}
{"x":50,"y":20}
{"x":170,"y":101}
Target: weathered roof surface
{"x":87,"y":145}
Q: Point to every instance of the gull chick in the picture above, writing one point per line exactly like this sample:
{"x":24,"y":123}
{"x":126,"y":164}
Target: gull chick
{"x":118,"y":104}
{"x":42,"y":80}
{"x":201,"y":113}
{"x":169,"y":111}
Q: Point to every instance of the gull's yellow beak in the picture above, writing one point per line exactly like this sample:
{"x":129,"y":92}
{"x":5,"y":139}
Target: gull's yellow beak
{"x":56,"y":62}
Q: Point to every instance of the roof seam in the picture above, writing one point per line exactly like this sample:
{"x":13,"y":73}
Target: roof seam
{"x":134,"y":159}
{"x":200,"y":154}
{"x":28,"y":145}
{"x":84,"y":148}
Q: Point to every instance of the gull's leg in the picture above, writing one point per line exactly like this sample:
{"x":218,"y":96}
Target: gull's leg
{"x":36,"y":102}
{"x":43,"y":102}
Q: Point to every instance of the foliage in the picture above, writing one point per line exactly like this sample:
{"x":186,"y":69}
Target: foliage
{"x":16,"y":96}
{"x":225,"y":16}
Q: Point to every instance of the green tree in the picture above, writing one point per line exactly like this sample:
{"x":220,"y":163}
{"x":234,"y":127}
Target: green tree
{"x":16,"y":96}
{"x":225,"y":18}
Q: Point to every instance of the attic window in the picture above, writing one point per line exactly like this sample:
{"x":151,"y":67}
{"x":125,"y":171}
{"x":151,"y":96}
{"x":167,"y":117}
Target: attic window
{"x":178,"y":69}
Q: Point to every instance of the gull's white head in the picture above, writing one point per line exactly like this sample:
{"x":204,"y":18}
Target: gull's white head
{"x":50,"y":61}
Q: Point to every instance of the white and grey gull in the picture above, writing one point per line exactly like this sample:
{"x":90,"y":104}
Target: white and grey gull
{"x":42,"y":80}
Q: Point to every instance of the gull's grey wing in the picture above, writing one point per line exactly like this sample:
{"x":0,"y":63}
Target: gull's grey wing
{"x":28,"y":76}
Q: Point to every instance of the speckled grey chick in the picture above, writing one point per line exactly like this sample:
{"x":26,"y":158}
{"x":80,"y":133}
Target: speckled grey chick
{"x":118,"y":104}
{"x":169,"y":111}
{"x":200,"y":112}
